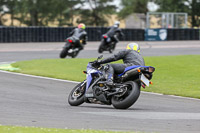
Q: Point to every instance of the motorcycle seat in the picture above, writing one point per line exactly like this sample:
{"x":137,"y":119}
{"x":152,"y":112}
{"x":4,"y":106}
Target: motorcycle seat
{"x":130,"y":68}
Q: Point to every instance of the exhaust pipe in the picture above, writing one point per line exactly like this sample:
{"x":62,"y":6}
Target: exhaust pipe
{"x":130,"y":73}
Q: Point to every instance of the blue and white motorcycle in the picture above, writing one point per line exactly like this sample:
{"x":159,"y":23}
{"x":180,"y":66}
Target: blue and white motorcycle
{"x":122,"y":94}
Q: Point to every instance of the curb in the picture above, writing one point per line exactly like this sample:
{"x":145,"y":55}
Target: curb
{"x":8,"y":67}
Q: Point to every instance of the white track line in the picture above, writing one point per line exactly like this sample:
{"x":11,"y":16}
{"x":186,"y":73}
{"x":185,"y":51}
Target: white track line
{"x":159,"y":94}
{"x":1,"y":63}
{"x":33,"y":76}
{"x":75,"y":82}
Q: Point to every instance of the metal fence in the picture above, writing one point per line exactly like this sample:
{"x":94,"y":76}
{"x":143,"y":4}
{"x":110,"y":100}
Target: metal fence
{"x":58,"y":34}
{"x":166,"y":20}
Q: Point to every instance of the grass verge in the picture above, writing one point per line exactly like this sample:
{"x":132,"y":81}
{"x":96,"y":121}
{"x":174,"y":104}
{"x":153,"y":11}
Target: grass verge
{"x":174,"y":75}
{"x":18,"y":129}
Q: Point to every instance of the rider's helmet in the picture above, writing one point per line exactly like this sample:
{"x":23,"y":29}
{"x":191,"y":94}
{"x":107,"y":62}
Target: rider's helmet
{"x":133,"y":46}
{"x":117,"y":23}
{"x":81,"y":26}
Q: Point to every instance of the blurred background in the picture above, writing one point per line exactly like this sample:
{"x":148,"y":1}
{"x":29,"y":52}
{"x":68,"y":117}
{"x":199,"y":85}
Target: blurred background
{"x":136,"y":17}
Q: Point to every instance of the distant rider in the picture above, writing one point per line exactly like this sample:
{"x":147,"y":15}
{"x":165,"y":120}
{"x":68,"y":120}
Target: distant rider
{"x":130,"y":56}
{"x":114,"y":32}
{"x":79,"y":34}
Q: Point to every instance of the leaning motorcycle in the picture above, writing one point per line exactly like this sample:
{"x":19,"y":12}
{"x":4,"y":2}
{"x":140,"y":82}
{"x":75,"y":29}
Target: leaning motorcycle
{"x":122,"y":94}
{"x":106,"y":44}
{"x":70,"y":48}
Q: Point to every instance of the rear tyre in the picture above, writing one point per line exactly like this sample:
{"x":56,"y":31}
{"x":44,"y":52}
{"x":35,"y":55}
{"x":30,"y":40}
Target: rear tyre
{"x":111,"y":50}
{"x":112,"y":47}
{"x":64,"y":52}
{"x":76,"y":97}
{"x":127,"y":98}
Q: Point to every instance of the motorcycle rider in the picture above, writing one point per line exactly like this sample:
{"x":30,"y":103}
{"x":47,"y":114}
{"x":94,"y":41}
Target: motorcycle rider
{"x":79,"y":34}
{"x":130,"y":56}
{"x":114,"y":32}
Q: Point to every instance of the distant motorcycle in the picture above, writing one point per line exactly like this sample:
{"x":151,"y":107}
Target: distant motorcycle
{"x":106,"y":44}
{"x":122,"y":94}
{"x":70,"y":48}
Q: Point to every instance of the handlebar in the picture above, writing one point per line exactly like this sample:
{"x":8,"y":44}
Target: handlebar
{"x":95,"y":62}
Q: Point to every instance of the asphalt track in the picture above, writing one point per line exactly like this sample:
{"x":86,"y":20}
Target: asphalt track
{"x":41,"y":102}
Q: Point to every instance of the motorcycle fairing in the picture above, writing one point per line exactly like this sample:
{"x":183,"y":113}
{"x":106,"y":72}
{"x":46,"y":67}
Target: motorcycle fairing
{"x":90,"y":71}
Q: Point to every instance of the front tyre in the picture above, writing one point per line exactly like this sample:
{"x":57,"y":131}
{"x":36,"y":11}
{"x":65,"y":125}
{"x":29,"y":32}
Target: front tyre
{"x":128,"y":97}
{"x":76,"y":97}
{"x":101,"y":47}
{"x":64,"y":52}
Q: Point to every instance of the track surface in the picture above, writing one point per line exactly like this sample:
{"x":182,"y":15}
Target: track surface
{"x":31,"y":101}
{"x":27,"y":51}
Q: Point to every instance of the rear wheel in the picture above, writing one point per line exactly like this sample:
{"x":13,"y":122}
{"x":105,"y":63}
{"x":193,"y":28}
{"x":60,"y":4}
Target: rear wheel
{"x":127,"y":97}
{"x":111,"y":47}
{"x":76,"y":97}
{"x":111,"y":50}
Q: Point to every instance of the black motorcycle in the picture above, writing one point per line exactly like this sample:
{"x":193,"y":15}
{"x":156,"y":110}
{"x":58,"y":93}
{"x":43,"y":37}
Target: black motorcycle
{"x":107,"y":44}
{"x":70,"y":48}
{"x":122,"y":94}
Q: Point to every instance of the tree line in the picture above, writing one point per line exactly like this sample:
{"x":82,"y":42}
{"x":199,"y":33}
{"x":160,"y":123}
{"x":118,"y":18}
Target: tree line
{"x":41,"y":12}
{"x":90,"y":12}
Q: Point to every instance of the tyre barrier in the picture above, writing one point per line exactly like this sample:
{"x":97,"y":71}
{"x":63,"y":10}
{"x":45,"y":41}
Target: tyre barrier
{"x":58,"y":34}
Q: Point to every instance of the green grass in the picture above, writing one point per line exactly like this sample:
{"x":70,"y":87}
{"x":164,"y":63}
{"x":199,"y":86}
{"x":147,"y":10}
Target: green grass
{"x":69,"y":69}
{"x":18,"y":129}
{"x":174,"y":75}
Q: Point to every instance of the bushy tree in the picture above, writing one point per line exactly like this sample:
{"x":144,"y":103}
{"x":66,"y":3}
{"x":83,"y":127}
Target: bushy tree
{"x":65,"y":11}
{"x":171,"y":5}
{"x":192,"y":7}
{"x":133,"y":6}
{"x":41,"y":12}
{"x":195,"y":12}
{"x":1,"y":10}
{"x":35,"y":12}
{"x":11,"y":8}
{"x":98,"y":9}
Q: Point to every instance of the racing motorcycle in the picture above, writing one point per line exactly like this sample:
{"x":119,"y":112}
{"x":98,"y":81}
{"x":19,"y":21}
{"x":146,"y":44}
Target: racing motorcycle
{"x":70,"y":48}
{"x":106,"y":44}
{"x":122,"y":94}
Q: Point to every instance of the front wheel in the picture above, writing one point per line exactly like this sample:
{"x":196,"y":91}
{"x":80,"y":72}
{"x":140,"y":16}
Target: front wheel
{"x":128,"y":97}
{"x":76,"y":97}
{"x":101,"y":47}
{"x":64,"y":52}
